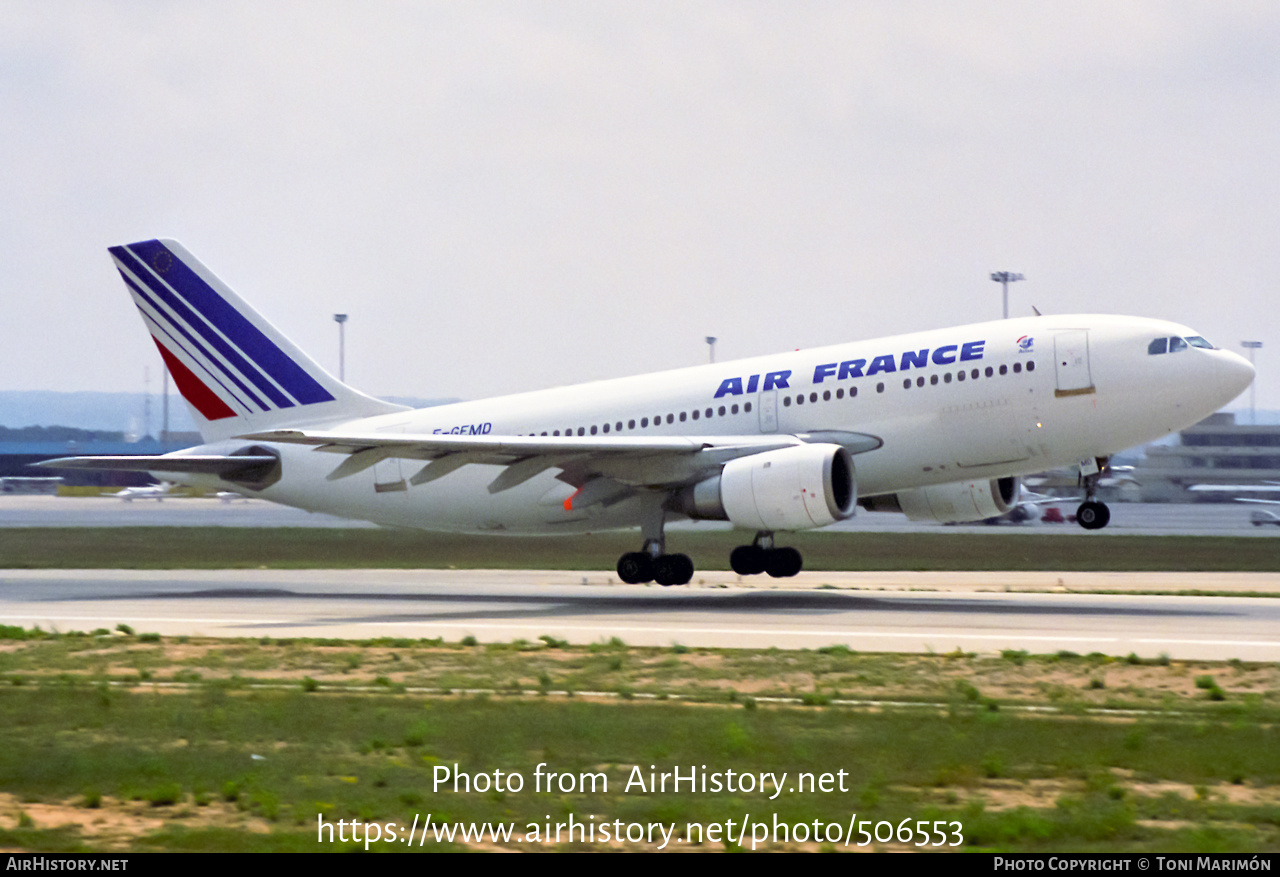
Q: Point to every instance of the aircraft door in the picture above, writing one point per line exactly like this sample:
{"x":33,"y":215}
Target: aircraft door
{"x":767,"y":405}
{"x":1071,"y":363}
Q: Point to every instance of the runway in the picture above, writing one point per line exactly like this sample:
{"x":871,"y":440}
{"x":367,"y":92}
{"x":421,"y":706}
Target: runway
{"x":895,"y":612}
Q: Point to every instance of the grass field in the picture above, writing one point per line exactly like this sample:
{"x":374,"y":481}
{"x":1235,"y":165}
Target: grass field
{"x":314,"y":548}
{"x":115,"y":740}
{"x":137,"y":742}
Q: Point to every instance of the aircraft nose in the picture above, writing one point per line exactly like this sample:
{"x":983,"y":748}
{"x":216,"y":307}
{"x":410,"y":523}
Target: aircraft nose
{"x":1236,"y":374}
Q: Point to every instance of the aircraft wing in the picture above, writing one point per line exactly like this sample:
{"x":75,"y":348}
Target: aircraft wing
{"x":651,"y":461}
{"x":1264,"y":487}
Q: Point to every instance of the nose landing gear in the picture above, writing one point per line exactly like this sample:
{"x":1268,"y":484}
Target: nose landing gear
{"x":1092,"y":514}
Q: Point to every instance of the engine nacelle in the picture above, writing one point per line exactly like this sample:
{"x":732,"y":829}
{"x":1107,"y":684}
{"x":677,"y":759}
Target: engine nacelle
{"x":796,"y":488}
{"x":954,"y":503}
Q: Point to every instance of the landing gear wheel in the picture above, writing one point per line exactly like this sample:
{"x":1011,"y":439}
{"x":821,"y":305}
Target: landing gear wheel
{"x":635,"y":568}
{"x":672,"y":569}
{"x":782,"y":563}
{"x":1093,"y":515}
{"x":747,"y":560}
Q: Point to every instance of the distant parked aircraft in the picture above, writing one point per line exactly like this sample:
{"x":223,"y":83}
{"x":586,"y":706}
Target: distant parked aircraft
{"x":154,"y":491}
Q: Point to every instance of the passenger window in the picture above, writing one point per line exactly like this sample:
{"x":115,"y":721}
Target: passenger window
{"x":879,"y":388}
{"x":735,"y":408}
{"x":1177,"y":345}
{"x":1160,"y":345}
{"x":746,"y":407}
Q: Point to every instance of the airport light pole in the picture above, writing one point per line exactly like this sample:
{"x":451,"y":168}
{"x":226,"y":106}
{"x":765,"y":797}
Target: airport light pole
{"x":1251,"y":346}
{"x":341,"y":320}
{"x":1004,"y":278}
{"x":711,"y":343}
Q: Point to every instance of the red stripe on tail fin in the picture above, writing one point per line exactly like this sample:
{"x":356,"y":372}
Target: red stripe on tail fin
{"x":193,"y":389}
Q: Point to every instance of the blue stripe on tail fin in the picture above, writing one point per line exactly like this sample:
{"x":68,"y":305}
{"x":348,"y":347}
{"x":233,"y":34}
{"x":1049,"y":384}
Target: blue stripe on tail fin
{"x":237,"y":372}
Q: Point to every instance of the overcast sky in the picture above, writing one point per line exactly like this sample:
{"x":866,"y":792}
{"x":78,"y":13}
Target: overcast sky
{"x":507,"y":196}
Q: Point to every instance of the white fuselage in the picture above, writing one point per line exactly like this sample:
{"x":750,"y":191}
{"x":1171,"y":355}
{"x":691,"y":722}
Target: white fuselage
{"x":989,"y":400}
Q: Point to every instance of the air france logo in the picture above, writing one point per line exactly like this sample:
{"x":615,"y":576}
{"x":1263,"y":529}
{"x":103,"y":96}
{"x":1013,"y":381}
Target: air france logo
{"x":859,"y":368}
{"x":1024,"y":344}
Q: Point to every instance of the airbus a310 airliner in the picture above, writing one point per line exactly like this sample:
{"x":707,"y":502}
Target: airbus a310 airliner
{"x":940,"y":425}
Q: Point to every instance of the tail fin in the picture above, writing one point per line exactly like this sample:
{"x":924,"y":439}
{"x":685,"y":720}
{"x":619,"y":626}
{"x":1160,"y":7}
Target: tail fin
{"x":236,"y":371}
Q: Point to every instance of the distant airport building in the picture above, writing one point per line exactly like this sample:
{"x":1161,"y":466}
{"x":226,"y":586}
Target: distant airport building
{"x":23,"y":485}
{"x":1218,"y":451}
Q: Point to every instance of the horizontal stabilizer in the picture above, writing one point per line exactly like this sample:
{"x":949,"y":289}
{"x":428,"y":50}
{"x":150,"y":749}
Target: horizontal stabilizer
{"x":201,"y":464}
{"x":243,"y":468}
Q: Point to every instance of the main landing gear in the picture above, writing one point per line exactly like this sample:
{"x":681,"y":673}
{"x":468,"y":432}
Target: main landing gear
{"x":653,"y":564}
{"x":761,"y":556}
{"x":1092,"y":515}
{"x":638,"y":567}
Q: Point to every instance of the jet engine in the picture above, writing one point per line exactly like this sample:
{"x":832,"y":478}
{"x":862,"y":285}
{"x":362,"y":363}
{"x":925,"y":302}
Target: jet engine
{"x":796,"y":488}
{"x":952,"y":503}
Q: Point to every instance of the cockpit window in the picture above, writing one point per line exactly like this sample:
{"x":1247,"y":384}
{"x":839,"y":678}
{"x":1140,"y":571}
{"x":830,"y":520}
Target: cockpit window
{"x":1159,"y":345}
{"x":1197,"y":341}
{"x":1176,"y":345}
